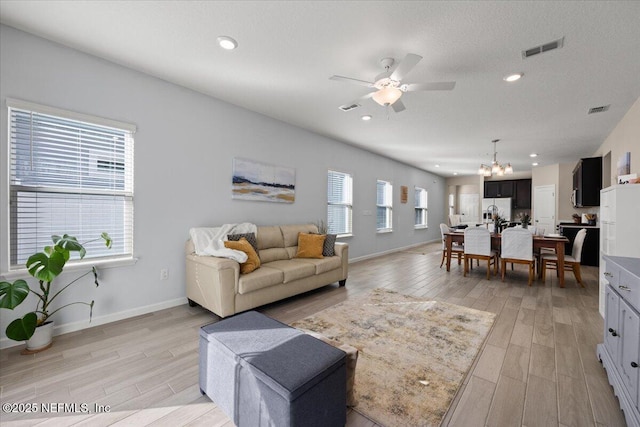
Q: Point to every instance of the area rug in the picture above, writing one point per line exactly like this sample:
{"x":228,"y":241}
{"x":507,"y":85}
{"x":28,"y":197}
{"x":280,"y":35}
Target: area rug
{"x":413,"y":353}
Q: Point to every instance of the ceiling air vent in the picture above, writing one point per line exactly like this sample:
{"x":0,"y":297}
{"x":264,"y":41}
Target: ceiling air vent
{"x":348,"y":107}
{"x":556,"y":44}
{"x":601,"y":109}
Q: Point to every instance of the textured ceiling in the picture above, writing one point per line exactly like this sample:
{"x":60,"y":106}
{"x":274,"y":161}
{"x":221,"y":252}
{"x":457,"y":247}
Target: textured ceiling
{"x":289,"y":49}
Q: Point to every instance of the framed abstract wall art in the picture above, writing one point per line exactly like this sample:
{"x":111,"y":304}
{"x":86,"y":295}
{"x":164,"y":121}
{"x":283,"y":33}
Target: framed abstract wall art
{"x":263,"y":182}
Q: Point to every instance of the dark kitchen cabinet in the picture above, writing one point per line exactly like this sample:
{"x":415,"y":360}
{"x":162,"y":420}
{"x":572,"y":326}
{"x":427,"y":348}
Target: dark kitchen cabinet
{"x":519,"y":190}
{"x":587,"y":182}
{"x":498,"y":189}
{"x":590,"y":247}
{"x":522,"y":198}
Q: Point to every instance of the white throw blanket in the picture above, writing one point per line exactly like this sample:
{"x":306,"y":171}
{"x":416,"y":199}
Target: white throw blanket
{"x":209,"y":241}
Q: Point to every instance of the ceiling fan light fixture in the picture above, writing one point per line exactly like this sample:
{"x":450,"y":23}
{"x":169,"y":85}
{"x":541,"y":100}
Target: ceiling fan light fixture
{"x":227,"y":43}
{"x":387,"y":95}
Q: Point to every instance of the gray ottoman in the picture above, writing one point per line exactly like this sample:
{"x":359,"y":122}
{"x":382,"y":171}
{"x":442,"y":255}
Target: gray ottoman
{"x":261,"y":372}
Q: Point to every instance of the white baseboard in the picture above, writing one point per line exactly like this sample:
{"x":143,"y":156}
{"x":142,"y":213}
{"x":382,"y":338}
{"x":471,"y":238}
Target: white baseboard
{"x":390,"y":251}
{"x":97,"y":321}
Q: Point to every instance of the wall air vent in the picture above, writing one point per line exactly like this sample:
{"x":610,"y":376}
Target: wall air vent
{"x":600,"y":109}
{"x":556,"y":44}
{"x":348,"y":107}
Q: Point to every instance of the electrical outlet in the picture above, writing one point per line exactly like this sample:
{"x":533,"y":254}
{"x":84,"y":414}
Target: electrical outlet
{"x":164,"y":274}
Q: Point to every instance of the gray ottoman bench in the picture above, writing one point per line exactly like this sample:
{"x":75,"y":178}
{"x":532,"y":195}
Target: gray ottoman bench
{"x":261,"y":372}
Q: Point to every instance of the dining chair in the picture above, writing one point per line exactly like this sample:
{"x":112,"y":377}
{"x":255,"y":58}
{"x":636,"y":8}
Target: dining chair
{"x":571,"y":262}
{"x":517,"y":248}
{"x":477,"y":245}
{"x":455,"y":249}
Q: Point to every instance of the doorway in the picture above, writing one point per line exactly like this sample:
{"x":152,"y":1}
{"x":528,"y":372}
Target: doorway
{"x":544,"y":208}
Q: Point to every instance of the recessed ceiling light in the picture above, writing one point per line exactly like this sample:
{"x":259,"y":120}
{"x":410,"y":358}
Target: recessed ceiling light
{"x":513,"y":77}
{"x":366,"y":117}
{"x":437,"y":166}
{"x":227,"y":42}
{"x":533,"y":155}
{"x":534,"y":164}
{"x":455,"y":173}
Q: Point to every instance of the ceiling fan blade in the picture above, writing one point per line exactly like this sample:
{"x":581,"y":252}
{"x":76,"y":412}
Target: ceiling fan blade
{"x":398,"y":106}
{"x":350,"y":80}
{"x":428,"y":86}
{"x":405,"y":66}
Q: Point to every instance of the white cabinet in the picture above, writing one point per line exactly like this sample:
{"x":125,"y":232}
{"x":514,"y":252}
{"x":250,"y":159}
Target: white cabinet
{"x":620,"y":351}
{"x":619,"y":226}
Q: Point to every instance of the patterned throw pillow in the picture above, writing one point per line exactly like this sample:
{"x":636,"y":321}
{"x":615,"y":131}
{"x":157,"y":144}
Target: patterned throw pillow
{"x":251,"y":238}
{"x":253,"y":261}
{"x":329,"y":244}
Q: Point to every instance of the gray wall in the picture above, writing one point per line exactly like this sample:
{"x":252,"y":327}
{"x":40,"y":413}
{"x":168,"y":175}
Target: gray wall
{"x":183,"y":163}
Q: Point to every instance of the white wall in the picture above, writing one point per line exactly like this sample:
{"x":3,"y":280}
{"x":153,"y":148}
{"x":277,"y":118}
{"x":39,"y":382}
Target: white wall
{"x":183,"y":162}
{"x":624,"y":138}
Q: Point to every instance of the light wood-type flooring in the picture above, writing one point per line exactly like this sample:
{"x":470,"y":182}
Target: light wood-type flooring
{"x":538,"y":366}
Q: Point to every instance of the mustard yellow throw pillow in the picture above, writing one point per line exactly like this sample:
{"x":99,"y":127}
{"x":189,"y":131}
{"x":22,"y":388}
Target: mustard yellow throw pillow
{"x":310,"y":245}
{"x":253,"y":261}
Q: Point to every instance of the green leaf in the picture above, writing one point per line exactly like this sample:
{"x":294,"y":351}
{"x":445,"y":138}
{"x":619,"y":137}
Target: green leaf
{"x":12,"y":294}
{"x":107,"y":239}
{"x":69,"y":243}
{"x":46,"y":268}
{"x":22,"y":329}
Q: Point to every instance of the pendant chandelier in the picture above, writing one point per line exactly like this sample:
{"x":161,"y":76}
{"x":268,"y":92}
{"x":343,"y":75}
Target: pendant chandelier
{"x":495,"y":167}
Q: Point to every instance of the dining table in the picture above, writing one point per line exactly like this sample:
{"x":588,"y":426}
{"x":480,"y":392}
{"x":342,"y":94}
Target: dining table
{"x":556,"y":242}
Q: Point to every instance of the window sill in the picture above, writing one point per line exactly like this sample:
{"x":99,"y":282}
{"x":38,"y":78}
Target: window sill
{"x":22,"y":273}
{"x":386,"y":230}
{"x":340,"y":236}
{"x":420,"y":227}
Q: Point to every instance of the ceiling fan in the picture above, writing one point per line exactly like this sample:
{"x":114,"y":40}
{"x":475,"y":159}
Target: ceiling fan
{"x":389,"y":86}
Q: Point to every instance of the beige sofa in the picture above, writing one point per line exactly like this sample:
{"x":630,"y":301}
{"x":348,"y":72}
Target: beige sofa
{"x":217,"y":285}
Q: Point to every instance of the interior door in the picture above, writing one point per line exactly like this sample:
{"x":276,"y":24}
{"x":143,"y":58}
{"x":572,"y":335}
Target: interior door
{"x":544,"y":208}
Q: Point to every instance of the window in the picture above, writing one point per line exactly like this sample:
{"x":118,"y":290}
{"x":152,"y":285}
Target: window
{"x":421,"y":208}
{"x":339,"y":202}
{"x":385,"y":204}
{"x":69,"y":173}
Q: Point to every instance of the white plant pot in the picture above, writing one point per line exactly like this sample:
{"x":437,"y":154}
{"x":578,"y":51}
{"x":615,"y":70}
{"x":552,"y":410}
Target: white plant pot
{"x":42,"y":337}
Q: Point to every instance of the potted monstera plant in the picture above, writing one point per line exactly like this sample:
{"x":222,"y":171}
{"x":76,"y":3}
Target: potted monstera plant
{"x":36,"y":327}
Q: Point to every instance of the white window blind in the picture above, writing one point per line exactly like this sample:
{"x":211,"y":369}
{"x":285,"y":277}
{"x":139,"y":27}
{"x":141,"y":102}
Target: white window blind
{"x":68,"y":176}
{"x":339,"y":202}
{"x":384,"y":201}
{"x":420,"y":207}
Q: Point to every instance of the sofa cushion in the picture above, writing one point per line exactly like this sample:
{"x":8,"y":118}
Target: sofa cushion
{"x":251,"y":238}
{"x":293,"y":270}
{"x":322,"y":265}
{"x":328,"y":249}
{"x":252,"y":262}
{"x":310,"y":245}
{"x":273,"y":254}
{"x":270,"y":237}
{"x":259,"y":279}
{"x":290,"y":232}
